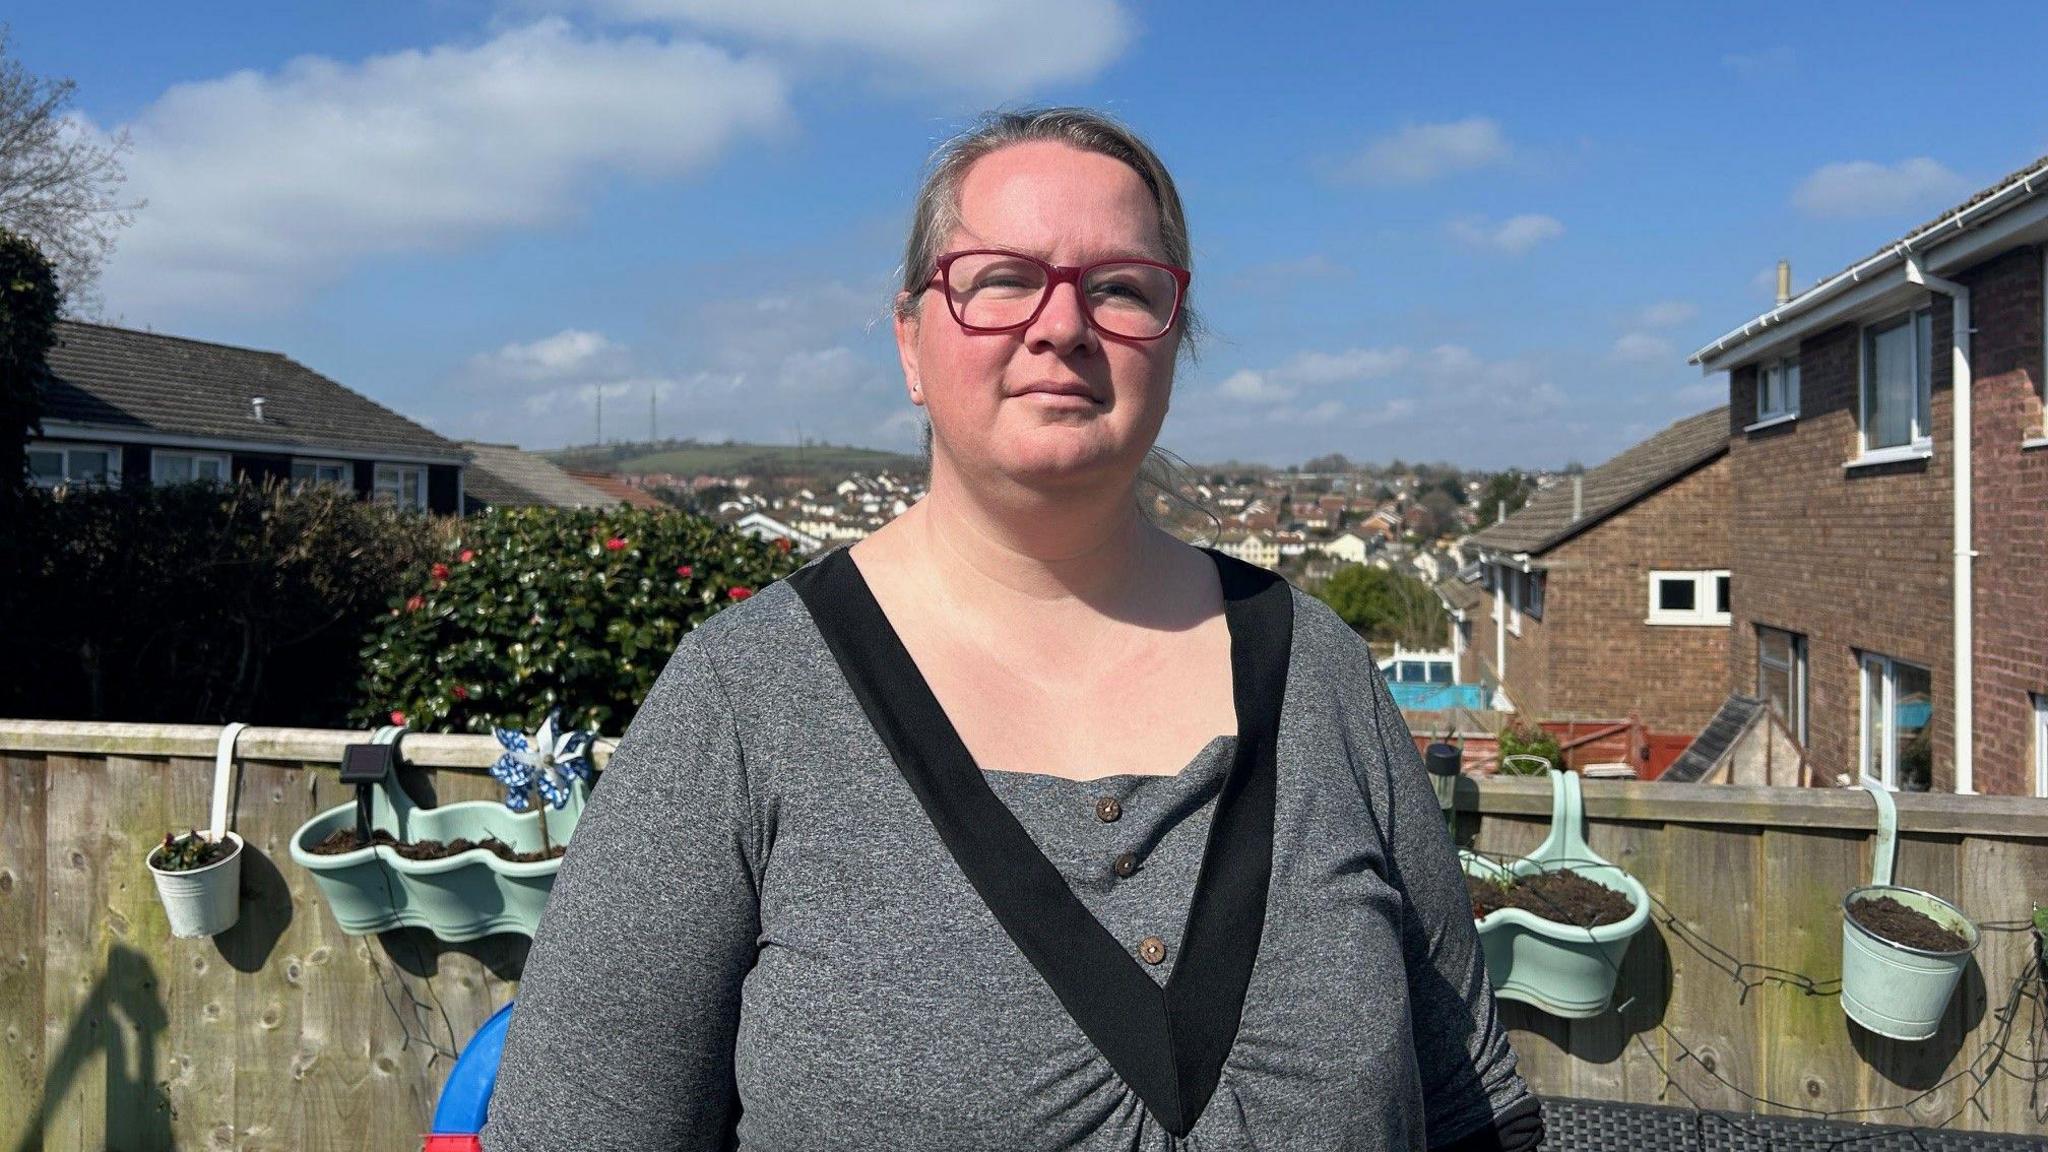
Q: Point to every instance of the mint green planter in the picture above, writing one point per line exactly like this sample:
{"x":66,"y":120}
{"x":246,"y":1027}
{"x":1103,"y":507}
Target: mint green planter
{"x":459,"y":898}
{"x":1562,"y":969}
{"x":1891,"y":989}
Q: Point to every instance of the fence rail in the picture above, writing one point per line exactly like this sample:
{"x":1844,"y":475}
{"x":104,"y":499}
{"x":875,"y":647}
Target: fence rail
{"x":284,"y":1033}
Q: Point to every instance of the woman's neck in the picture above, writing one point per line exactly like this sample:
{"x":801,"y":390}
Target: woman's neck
{"x":1007,"y":549}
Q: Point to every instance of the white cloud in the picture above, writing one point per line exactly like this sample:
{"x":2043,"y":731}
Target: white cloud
{"x":758,"y":368}
{"x":1515,"y":235}
{"x":1864,"y":188}
{"x":1003,"y":46}
{"x":1254,"y":388}
{"x":1419,"y":153}
{"x":1642,"y":348}
{"x":1666,"y":314}
{"x":568,"y":353}
{"x":262,"y":186}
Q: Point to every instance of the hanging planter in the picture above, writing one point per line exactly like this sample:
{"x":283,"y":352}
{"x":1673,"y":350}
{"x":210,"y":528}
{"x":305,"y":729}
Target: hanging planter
{"x":1562,"y":968}
{"x":199,"y":875}
{"x":503,"y":863}
{"x":1903,"y":950}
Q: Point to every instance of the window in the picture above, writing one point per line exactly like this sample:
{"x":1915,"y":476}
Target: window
{"x":402,"y":484}
{"x":1514,"y":578}
{"x":1898,"y":383}
{"x":1898,"y":724}
{"x":1777,"y":389}
{"x":52,"y":464}
{"x":185,"y":467}
{"x":1690,"y":597}
{"x":2041,"y":747}
{"x":1532,"y":583}
{"x":1781,"y":676}
{"x":333,"y":472}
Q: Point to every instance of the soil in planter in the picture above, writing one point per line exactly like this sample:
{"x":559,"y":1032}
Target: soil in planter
{"x":1563,"y":896}
{"x":345,"y":840}
{"x":215,"y":852}
{"x":1885,"y":917}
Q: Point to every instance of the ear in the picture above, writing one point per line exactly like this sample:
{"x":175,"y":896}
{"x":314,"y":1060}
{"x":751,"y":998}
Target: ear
{"x":906,"y":348}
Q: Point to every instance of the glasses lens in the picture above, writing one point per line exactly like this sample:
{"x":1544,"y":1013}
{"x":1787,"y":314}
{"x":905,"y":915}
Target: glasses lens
{"x":1135,"y":300}
{"x":991,"y":290}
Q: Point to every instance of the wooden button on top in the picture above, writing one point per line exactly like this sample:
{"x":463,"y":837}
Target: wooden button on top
{"x":1108,"y":810}
{"x":1152,"y":949}
{"x":1125,"y":864}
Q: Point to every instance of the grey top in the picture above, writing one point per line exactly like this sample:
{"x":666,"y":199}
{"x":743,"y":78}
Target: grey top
{"x":758,"y":940}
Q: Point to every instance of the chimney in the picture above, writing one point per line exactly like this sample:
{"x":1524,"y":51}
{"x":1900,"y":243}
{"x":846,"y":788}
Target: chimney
{"x":256,"y":408}
{"x":1578,"y":497}
{"x":1502,"y":514}
{"x":1784,"y":281}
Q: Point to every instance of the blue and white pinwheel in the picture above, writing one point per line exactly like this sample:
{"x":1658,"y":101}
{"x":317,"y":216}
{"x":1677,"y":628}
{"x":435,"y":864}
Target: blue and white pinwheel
{"x":547,"y":760}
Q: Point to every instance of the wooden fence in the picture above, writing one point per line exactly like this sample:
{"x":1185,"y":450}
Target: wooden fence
{"x":284,"y":1033}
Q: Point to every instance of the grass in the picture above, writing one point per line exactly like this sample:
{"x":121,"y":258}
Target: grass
{"x":688,"y":458}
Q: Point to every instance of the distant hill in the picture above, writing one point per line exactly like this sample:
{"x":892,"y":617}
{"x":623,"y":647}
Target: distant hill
{"x":687,"y":458}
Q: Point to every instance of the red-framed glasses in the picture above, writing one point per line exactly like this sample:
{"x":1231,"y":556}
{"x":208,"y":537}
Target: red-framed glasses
{"x":992,"y":290}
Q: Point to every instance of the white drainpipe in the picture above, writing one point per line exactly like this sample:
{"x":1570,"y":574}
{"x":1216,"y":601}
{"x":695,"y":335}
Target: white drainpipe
{"x":1500,"y":623}
{"x":1963,"y":582}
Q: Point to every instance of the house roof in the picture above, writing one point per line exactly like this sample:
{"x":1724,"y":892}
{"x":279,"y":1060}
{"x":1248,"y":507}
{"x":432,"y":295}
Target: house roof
{"x":121,"y":380}
{"x":1994,"y":200}
{"x":503,"y":476}
{"x":1460,"y":594}
{"x":619,"y":491}
{"x":1546,"y":520}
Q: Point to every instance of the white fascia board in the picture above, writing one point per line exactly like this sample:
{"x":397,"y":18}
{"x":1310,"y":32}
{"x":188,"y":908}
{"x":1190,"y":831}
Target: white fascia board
{"x":69,"y":430}
{"x":1942,"y":250}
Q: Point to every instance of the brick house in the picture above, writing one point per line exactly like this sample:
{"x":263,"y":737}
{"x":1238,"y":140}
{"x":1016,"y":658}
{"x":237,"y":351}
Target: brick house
{"x":1891,"y":575}
{"x":127,"y":406}
{"x":1606,"y":595}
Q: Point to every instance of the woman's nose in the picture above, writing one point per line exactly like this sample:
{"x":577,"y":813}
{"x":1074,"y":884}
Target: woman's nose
{"x":1062,"y":326}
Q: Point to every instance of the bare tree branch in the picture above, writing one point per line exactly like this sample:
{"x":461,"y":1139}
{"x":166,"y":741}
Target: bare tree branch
{"x":60,"y":179}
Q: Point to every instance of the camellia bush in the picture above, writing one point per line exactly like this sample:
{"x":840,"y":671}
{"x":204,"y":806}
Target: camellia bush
{"x":533,"y":610}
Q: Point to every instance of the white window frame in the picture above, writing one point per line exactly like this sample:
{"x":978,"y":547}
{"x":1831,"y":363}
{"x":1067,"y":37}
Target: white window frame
{"x":1919,"y":444}
{"x":2041,"y":746}
{"x":1795,"y":673}
{"x":66,"y":448}
{"x":1706,"y":597}
{"x":157,"y":457}
{"x":390,"y":478}
{"x":1532,"y":586}
{"x":1515,"y":581}
{"x":1783,"y":374}
{"x":346,"y":479}
{"x":1877,"y":675}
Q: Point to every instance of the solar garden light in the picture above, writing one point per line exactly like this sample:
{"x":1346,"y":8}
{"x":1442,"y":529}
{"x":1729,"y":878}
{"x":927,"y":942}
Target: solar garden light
{"x":366,"y":766}
{"x":1444,"y":763}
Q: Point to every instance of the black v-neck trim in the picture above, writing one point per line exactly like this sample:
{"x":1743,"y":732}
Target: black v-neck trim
{"x":1167,"y":1043}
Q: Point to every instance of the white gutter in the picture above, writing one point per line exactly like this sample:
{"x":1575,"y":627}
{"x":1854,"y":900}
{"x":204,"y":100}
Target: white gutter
{"x":1964,"y":596}
{"x":2024,"y":188}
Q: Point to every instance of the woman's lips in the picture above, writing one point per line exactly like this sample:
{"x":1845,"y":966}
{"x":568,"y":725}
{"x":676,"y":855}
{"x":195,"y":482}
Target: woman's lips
{"x":1063,"y":394}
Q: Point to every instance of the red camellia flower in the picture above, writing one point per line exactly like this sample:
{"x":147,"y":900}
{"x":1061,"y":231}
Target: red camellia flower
{"x":739,"y":592}
{"x":415,"y":603}
{"x":782,"y":543}
{"x":397,"y":717}
{"x":440,"y":571}
{"x":460,"y":693}
{"x":467,"y":555}
{"x":684,"y":571}
{"x":615,"y":543}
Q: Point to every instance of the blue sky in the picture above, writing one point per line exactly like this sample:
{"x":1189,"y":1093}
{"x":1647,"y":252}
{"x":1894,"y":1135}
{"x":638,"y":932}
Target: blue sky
{"x":1488,"y":233}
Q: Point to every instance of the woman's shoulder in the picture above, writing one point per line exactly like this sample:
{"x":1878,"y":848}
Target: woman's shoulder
{"x":763,"y":637}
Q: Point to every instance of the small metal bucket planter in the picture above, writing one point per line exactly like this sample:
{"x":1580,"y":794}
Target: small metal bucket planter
{"x":206,"y":901}
{"x":1563,"y":969}
{"x":1892,"y":989}
{"x":461,"y":897}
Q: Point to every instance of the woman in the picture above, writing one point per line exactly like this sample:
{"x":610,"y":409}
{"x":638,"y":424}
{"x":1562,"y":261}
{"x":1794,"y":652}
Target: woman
{"x":1018,"y":824}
